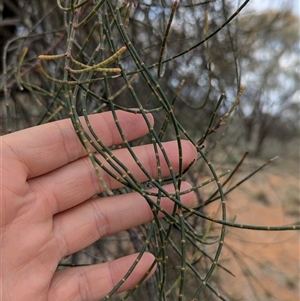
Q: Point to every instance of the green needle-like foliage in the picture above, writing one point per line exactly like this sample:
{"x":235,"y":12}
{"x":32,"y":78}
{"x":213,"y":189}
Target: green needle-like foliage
{"x":84,"y":57}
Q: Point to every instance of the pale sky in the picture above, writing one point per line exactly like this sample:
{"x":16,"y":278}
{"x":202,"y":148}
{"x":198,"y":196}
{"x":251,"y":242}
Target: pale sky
{"x":274,"y":4}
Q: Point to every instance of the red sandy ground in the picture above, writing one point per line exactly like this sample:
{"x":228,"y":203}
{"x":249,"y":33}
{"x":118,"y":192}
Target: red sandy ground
{"x":265,"y":264}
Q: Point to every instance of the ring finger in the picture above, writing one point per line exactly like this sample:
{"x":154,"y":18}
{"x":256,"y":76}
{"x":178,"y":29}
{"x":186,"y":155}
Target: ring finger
{"x":82,"y":225}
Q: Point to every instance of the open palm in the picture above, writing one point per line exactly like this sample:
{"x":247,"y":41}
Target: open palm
{"x":47,"y":209}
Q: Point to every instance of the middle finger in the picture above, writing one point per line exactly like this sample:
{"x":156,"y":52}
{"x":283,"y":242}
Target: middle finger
{"x":76,"y":182}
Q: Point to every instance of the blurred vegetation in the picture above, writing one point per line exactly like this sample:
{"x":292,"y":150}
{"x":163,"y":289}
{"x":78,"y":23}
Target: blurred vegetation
{"x":256,"y":50}
{"x":187,"y":62}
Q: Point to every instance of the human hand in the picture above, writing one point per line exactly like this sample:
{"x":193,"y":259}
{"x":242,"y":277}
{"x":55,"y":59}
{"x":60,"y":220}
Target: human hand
{"x":47,"y":210}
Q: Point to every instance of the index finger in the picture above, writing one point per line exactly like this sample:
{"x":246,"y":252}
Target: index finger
{"x":47,"y":147}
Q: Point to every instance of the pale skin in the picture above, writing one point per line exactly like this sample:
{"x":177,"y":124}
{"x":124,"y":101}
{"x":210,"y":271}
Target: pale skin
{"x":47,"y":210}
